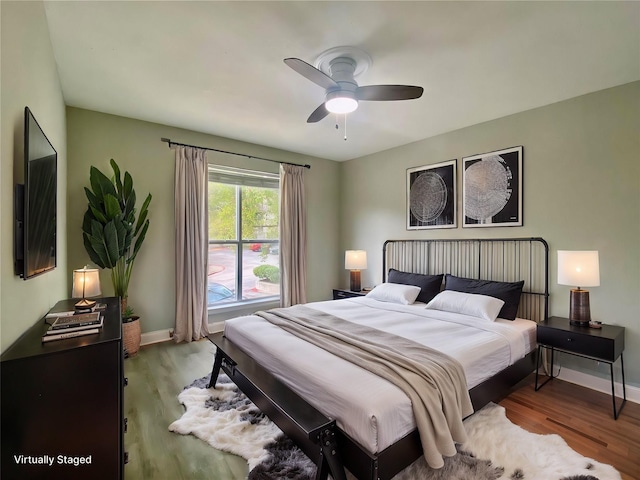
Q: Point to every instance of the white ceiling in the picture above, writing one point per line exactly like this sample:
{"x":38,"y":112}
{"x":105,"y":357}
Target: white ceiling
{"x":217,"y":67}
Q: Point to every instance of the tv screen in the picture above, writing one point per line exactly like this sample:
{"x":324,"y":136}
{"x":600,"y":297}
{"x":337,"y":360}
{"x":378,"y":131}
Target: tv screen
{"x":40,"y":177}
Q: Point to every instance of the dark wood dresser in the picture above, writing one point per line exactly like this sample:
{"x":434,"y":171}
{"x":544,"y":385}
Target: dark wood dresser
{"x":62,"y":403}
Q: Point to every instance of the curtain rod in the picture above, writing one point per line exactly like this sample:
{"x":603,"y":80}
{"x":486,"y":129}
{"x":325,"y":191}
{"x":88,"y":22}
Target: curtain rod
{"x":166,"y":140}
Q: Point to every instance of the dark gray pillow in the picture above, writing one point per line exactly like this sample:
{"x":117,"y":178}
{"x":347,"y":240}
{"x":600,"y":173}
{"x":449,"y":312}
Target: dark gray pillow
{"x":509,"y":292}
{"x":430,"y":285}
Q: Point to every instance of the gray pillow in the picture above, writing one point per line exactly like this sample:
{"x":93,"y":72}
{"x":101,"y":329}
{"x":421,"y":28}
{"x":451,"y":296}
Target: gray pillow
{"x":430,"y":285}
{"x":509,"y":292}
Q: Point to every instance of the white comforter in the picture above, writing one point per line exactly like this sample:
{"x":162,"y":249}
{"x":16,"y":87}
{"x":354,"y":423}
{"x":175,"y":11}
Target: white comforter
{"x":368,"y":408}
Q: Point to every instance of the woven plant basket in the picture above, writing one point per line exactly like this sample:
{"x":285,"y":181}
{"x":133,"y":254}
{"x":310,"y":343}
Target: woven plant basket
{"x":131,"y":334}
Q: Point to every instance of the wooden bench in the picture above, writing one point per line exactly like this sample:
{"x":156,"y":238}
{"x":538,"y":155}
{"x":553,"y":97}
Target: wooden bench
{"x":312,"y":431}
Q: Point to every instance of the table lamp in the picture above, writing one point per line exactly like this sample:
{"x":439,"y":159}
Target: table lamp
{"x":86,"y":283}
{"x":579,"y":269}
{"x":355,"y":260}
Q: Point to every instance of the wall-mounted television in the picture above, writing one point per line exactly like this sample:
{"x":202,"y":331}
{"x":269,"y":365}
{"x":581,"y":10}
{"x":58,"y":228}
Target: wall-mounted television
{"x":35,"y":204}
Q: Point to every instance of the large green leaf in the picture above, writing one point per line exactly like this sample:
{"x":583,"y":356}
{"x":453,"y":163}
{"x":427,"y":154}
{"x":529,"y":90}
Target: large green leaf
{"x":112,"y":243}
{"x":95,"y":258}
{"x":128,"y":235}
{"x":93,"y":200}
{"x":98,"y":215}
{"x":143,"y":213}
{"x":112,"y":207}
{"x":100,"y":184}
{"x":95,"y":184}
{"x":116,"y":175}
{"x":124,"y":237}
{"x":98,"y":243}
{"x":141,"y":219}
{"x":139,"y":241}
{"x":130,"y":205}
{"x":86,"y":221}
{"x":96,"y":207}
{"x":128,"y":184}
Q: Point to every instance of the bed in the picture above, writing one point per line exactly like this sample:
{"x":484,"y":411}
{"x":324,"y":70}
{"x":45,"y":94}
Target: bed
{"x":369,"y":428}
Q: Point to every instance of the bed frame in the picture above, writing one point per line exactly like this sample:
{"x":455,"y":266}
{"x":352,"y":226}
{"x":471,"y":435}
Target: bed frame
{"x":505,"y":259}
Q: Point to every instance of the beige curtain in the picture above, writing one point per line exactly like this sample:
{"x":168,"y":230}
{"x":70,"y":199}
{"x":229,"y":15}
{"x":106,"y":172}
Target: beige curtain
{"x":192,"y":244}
{"x":293,"y":236}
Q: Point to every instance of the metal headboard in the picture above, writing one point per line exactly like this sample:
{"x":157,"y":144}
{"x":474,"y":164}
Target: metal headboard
{"x":500,"y":259}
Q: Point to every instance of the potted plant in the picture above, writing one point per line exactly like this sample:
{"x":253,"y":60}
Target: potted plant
{"x":112,"y":235}
{"x":131,"y":331}
{"x":268,"y":278}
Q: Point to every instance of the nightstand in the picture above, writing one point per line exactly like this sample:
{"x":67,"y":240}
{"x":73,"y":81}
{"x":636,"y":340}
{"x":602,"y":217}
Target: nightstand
{"x":339,"y":293}
{"x":604,"y":344}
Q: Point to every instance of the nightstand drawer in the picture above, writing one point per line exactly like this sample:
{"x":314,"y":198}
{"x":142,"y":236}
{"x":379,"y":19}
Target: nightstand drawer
{"x":576,"y":343}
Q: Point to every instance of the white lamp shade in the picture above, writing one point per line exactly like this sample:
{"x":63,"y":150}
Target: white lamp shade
{"x":355,"y":259}
{"x":578,"y":268}
{"x":86,"y":283}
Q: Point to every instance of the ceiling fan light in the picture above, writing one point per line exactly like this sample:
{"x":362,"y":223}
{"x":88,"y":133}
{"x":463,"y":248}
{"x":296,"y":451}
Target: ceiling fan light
{"x":341,"y":105}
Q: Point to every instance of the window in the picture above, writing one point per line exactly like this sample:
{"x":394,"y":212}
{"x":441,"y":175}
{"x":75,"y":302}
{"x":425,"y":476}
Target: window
{"x":243,"y":236}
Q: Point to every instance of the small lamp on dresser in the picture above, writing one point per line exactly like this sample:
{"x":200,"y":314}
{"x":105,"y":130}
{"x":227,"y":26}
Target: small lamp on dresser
{"x":355,"y":260}
{"x":86,"y":283}
{"x":579,"y":269}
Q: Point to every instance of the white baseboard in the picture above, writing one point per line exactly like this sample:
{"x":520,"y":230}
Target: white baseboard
{"x":599,"y":384}
{"x":157,"y":336}
{"x":216,"y":327}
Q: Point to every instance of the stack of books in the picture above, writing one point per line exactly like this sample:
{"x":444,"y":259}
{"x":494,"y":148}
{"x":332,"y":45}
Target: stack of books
{"x":69,"y":326}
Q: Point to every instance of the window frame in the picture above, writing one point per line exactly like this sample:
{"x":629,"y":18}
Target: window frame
{"x":245,"y":178}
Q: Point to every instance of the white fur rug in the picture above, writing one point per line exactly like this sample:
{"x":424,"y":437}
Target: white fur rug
{"x":228,"y":421}
{"x":235,"y":426}
{"x":541,"y":457}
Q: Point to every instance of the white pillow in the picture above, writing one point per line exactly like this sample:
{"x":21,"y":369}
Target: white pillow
{"x":395,"y":293}
{"x":472,"y":304}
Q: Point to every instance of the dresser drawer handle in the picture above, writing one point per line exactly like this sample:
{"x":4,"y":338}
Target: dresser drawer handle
{"x":569,"y":339}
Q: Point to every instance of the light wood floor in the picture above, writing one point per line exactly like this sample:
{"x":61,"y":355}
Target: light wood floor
{"x":159,"y":372}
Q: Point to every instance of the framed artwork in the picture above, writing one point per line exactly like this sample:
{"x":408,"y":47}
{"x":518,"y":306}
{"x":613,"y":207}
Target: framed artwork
{"x":431,"y":196}
{"x":492,"y":189}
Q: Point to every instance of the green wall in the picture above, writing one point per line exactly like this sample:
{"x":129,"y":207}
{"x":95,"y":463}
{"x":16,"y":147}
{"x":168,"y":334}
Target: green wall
{"x":94,"y":138}
{"x":29,"y":78}
{"x":581,"y":192}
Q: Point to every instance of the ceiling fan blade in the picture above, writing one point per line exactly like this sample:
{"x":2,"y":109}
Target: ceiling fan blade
{"x":312,"y":73}
{"x":318,"y":114}
{"x":388,"y":92}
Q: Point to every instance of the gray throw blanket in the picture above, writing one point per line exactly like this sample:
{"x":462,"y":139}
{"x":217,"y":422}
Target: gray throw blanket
{"x":434,"y":382}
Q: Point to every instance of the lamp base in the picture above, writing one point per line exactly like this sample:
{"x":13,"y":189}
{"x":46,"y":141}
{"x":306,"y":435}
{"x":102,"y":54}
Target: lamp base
{"x":354,"y":281}
{"x":84,"y":305}
{"x":579,"y":308}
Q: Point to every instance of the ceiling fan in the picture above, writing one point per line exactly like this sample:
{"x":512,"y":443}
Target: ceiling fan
{"x":342,"y":91}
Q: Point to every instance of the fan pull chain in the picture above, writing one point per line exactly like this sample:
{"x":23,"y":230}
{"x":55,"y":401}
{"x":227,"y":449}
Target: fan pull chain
{"x":345,"y":125}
